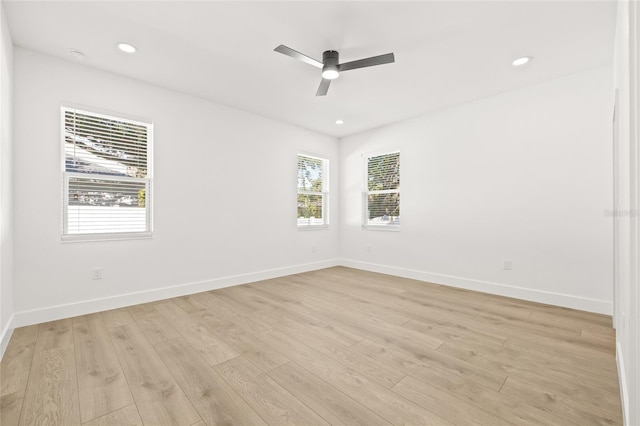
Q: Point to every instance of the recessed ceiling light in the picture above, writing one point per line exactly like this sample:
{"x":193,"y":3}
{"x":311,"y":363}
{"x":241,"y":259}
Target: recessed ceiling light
{"x":76,"y":54}
{"x":127,"y":48}
{"x":339,"y":122}
{"x":521,"y":61}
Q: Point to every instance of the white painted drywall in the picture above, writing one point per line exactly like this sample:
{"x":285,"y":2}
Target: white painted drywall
{"x":627,"y":292}
{"x":6,"y":177}
{"x":524,"y":175}
{"x":224,"y":196}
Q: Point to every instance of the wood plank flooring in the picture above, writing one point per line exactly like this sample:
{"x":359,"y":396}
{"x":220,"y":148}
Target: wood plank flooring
{"x":336,"y":346}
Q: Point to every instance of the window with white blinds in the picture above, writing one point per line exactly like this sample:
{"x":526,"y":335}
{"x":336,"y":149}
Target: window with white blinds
{"x":106,"y":176}
{"x":313,"y":190}
{"x":382,"y":191}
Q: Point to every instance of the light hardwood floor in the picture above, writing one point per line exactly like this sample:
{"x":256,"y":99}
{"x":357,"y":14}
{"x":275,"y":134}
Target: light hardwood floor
{"x":336,"y":346}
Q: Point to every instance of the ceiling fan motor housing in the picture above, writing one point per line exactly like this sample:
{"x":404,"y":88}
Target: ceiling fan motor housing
{"x":330,"y":60}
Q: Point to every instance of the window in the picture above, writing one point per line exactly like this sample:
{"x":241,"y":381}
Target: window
{"x":106,"y":176}
{"x":313,"y":188}
{"x":382,"y":191}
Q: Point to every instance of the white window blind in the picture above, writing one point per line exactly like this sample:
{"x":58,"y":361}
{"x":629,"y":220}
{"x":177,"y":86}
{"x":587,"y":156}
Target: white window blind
{"x":313,"y":187}
{"x":382,"y":190}
{"x":106,"y":175}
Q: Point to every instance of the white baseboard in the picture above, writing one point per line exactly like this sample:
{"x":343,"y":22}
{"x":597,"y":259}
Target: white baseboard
{"x":551,"y":298}
{"x":52,"y":313}
{"x":6,"y":334}
{"x":622,"y":379}
{"x":84,"y":307}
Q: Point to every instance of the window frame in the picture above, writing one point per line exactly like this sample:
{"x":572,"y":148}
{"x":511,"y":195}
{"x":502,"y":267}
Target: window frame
{"x":324,"y":193}
{"x":365,"y":194}
{"x":66,"y":176}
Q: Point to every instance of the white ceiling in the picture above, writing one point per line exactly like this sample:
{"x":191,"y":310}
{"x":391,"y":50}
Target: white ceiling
{"x":446,"y":53}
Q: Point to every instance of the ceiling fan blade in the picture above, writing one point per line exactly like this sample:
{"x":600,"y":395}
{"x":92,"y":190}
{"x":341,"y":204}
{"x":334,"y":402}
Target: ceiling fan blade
{"x":297,"y":55}
{"x":367,"y":62}
{"x":324,"y":87}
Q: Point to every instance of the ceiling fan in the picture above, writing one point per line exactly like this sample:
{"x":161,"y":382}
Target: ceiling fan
{"x":330,"y":65}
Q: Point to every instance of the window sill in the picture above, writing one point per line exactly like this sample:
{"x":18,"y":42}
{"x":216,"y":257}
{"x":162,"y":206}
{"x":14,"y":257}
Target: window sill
{"x":391,"y":228}
{"x":86,"y":238}
{"x":313,"y":228}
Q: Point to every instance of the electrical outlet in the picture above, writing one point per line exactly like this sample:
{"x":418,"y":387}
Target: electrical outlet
{"x":96,"y":273}
{"x":507,"y":264}
{"x":369,"y":248}
{"x":314,"y":248}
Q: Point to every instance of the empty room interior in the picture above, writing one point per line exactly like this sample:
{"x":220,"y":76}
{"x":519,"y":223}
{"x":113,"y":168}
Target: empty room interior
{"x":319,"y":213}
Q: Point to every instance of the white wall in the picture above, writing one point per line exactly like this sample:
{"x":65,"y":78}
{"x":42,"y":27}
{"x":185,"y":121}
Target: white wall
{"x":524,"y":175}
{"x":6,"y":204}
{"x":627,"y":198}
{"x":215,"y":169}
